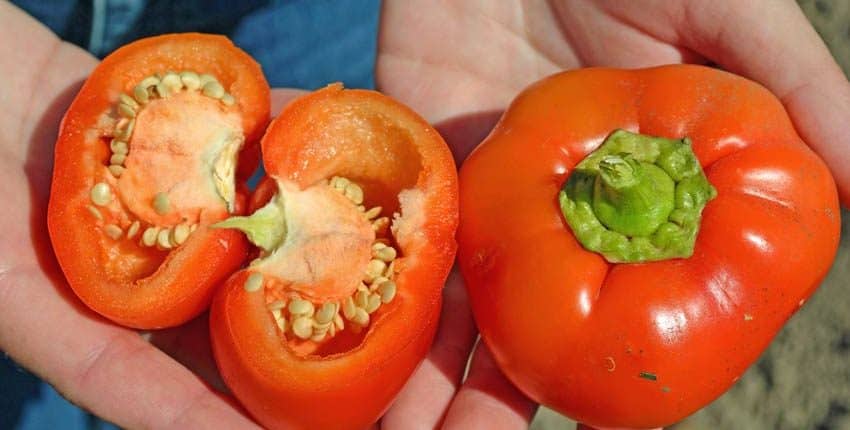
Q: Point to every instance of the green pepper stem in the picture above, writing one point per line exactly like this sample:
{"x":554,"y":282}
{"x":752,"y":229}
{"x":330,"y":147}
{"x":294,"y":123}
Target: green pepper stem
{"x":633,"y":199}
{"x":618,"y":173}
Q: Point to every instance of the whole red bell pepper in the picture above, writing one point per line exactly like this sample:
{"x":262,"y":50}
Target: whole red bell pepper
{"x":632,"y":240}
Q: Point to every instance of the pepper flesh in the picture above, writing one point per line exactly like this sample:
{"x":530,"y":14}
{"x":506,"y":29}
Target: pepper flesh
{"x":127,"y":273}
{"x":403,"y":166}
{"x":641,"y":345}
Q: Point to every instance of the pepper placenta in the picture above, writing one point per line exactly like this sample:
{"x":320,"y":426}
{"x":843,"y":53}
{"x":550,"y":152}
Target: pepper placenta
{"x":354,"y":226}
{"x":155,"y":148}
{"x":654,"y":231}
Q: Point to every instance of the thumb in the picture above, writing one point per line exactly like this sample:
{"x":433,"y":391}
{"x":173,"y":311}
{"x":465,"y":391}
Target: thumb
{"x":773,"y":43}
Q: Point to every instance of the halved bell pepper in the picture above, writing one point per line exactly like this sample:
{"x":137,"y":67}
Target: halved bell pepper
{"x":355,"y":233}
{"x":155,"y":148}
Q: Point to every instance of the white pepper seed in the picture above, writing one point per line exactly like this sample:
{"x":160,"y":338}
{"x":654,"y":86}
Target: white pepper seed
{"x":181,"y":233}
{"x":228,"y":99}
{"x":140,"y":93}
{"x":173,"y":82}
{"x":205,"y":79}
{"x":101,"y":195}
{"x":361,"y":317}
{"x":149,"y":236}
{"x":385,"y":254}
{"x":302,"y":327}
{"x":361,"y":299}
{"x":124,"y":129}
{"x":133,"y":230}
{"x":93,"y":210}
{"x":113,"y":231}
{"x":190,"y":80}
{"x":276,"y":305}
{"x":377,"y":281}
{"x":339,"y":183}
{"x":162,"y":90}
{"x":326,"y":313}
{"x":254,"y":282}
{"x":380,"y":225}
{"x":163,"y":239}
{"x":281,"y":324}
{"x":373,"y":303}
{"x":338,"y":323}
{"x":160,"y":203}
{"x":118,"y":146}
{"x":374,"y":269}
{"x":148,"y":82}
{"x":348,"y":308}
{"x":117,"y":159}
{"x":372,"y":213}
{"x":126,"y":111}
{"x":213,"y":89}
{"x":354,"y":193}
{"x":129,"y":101}
{"x":301,"y":307}
{"x":116,"y":170}
{"x":387,"y":291}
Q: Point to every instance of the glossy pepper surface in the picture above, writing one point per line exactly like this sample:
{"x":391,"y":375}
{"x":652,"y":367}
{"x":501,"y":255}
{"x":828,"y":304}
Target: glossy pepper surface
{"x":582,"y":283}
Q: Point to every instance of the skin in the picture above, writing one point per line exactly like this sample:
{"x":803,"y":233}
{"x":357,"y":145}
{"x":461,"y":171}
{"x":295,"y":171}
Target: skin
{"x":464,"y":89}
{"x":461,"y":89}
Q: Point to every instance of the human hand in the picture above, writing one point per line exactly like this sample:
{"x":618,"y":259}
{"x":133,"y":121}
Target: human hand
{"x":161,"y":379}
{"x":461,"y":63}
{"x":109,"y":370}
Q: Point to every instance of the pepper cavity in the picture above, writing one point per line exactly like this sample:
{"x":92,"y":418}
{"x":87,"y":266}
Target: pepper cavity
{"x":171,"y":163}
{"x":308,"y":298}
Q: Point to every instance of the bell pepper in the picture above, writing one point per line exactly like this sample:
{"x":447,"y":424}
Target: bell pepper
{"x":154,"y":148}
{"x":354,"y":228}
{"x":632,"y":240}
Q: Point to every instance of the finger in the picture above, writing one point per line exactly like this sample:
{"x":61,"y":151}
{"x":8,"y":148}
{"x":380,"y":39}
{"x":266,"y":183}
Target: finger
{"x":189,"y":344}
{"x":487,"y":400}
{"x":772,"y":43}
{"x":790,"y":59}
{"x":427,"y":395}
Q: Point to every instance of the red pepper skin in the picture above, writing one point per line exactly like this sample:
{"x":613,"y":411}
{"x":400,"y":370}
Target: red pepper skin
{"x":641,"y":345}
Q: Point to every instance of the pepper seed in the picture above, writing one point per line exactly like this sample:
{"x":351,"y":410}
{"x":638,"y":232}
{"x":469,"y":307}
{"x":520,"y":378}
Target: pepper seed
{"x":254,"y":282}
{"x":160,"y":203}
{"x":101,"y":195}
{"x":113,"y":231}
{"x":213,"y":89}
{"x":133,"y":230}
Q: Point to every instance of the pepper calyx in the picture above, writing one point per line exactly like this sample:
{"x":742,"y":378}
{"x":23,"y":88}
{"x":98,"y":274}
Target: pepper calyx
{"x":637,"y":198}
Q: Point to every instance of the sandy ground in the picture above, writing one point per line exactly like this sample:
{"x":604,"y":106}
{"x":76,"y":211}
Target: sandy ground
{"x":803,"y":380}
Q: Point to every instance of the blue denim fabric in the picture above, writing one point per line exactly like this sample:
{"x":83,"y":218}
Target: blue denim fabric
{"x":302,"y":44}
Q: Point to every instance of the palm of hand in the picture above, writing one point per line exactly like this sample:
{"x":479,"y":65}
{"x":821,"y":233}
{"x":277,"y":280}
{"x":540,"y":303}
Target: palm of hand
{"x":460,"y":65}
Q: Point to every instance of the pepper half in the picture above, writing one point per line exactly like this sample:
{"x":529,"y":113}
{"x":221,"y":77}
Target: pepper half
{"x":355,"y":234}
{"x":155,"y":148}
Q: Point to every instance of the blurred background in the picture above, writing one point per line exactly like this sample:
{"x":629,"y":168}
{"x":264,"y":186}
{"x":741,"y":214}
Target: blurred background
{"x":801,"y":382}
